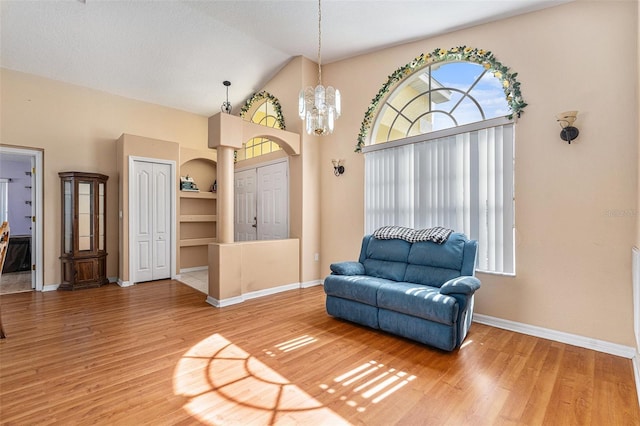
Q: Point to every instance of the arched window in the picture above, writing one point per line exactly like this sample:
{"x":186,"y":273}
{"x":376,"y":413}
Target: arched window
{"x":440,"y":96}
{"x":441,"y":151}
{"x":264,"y":109}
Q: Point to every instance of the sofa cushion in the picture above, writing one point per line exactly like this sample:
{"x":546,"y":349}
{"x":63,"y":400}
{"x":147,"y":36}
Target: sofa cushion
{"x":394,"y":271}
{"x":391,"y":250}
{"x":347,"y":268}
{"x":419,"y":301}
{"x":428,"y":332}
{"x":352,"y":311}
{"x":386,"y":259}
{"x":360,"y":288}
{"x":429,"y":275}
{"x":448,"y":255}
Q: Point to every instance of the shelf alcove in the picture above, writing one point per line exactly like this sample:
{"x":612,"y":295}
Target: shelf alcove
{"x":197,"y":215}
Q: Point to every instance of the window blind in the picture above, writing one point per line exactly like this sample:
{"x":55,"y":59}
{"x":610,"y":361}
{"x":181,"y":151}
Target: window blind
{"x":462,"y":181}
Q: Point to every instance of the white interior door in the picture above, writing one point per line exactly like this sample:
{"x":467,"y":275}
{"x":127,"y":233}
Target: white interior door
{"x":245,"y":205}
{"x":262,"y":203}
{"x":273,"y":202}
{"x":152,"y":221}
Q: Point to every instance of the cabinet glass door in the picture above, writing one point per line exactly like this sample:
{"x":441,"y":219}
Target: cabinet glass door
{"x":101,"y":217}
{"x":68,"y":218}
{"x":85,"y":216}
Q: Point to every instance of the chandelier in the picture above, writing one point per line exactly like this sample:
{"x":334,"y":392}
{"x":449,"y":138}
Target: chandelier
{"x":319,"y":107}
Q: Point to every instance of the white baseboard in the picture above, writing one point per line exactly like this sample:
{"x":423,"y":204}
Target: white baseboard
{"x":124,"y":283}
{"x":558,"y":336}
{"x":194,"y":269}
{"x":251,"y":295}
{"x":311,"y":283}
{"x":224,"y":302}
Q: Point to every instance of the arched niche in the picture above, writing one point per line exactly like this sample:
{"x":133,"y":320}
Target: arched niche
{"x":201,"y":165}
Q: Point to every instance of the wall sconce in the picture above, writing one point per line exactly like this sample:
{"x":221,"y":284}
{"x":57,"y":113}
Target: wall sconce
{"x":566,"y":119}
{"x":338,"y":167}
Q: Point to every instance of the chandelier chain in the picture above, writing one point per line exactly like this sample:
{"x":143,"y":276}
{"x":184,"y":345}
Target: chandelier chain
{"x":319,"y":43}
{"x":319,"y":106}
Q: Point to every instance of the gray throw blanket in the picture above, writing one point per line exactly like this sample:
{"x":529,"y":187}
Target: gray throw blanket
{"x":436,"y":234}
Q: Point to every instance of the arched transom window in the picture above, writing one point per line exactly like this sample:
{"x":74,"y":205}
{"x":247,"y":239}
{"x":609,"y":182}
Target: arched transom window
{"x":440,"y":96}
{"x":264,"y":109}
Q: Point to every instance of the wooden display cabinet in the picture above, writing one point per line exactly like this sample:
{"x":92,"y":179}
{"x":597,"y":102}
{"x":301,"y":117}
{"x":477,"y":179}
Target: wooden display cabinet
{"x":84,"y":255}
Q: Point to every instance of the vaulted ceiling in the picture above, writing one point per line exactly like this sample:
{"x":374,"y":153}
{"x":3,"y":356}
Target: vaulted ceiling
{"x":177,"y":52}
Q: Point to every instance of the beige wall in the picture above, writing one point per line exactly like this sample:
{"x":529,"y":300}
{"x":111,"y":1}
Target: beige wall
{"x":77,"y":128}
{"x":573,"y":257}
{"x":638,"y":119}
{"x":251,"y":266}
{"x":637,"y":211}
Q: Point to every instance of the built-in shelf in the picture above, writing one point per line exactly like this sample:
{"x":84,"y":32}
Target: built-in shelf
{"x":195,"y":194}
{"x":193,"y":242}
{"x":198,"y":218}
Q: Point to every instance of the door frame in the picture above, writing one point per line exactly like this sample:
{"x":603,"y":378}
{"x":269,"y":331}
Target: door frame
{"x":173,"y":218}
{"x":37,"y":196}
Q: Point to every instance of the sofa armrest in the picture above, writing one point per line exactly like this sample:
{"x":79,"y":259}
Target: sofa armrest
{"x":347,"y":268}
{"x":461,"y":285}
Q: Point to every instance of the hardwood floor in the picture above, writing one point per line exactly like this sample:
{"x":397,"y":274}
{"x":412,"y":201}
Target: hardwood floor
{"x":156,"y":353}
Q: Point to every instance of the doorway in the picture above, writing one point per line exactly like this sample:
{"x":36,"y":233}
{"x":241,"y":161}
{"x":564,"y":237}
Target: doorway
{"x":22,"y":170}
{"x":261,"y":207}
{"x":152,"y":218}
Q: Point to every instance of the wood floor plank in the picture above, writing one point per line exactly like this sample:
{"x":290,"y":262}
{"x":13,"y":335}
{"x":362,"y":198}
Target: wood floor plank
{"x":158,"y":353}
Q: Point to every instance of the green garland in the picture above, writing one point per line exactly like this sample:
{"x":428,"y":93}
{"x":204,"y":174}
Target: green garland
{"x":485,"y":58}
{"x":260,"y":96}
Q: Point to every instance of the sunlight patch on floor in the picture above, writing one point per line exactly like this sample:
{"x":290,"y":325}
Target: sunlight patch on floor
{"x":224,"y":384}
{"x":297,"y":343}
{"x":466,"y":343}
{"x":291,"y":345}
{"x":370,"y":382}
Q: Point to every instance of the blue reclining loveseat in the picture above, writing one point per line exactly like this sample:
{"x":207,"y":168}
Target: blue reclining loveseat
{"x":422,"y":290}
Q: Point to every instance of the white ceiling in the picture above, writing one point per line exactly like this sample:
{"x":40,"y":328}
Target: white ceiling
{"x":177,"y":53}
